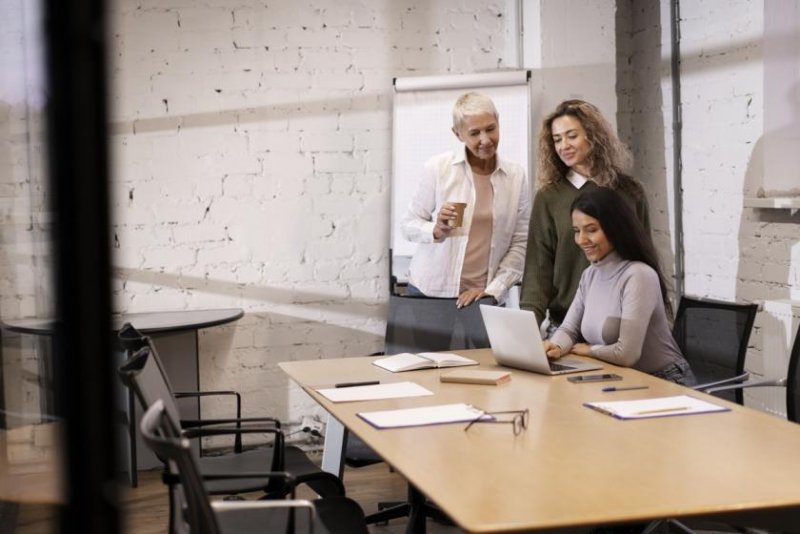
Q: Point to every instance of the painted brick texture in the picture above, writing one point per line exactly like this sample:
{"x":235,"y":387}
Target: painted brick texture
{"x":731,"y":252}
{"x":252,"y":158}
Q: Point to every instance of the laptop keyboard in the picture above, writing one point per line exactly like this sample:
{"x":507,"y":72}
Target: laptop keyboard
{"x":559,"y":367}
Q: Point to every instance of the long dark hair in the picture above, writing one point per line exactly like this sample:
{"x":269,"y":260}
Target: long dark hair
{"x":618,"y":221}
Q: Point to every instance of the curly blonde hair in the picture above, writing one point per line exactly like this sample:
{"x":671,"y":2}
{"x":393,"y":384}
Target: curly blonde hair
{"x":609,"y":158}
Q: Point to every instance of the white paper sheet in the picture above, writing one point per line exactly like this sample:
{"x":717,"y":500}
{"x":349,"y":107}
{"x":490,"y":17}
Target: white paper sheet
{"x":657,"y":407}
{"x":426,"y":415}
{"x":393,"y":390}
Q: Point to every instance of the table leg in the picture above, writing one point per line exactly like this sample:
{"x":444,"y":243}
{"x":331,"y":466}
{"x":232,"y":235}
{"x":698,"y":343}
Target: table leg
{"x":2,"y":386}
{"x":333,"y":451}
{"x":416,"y":514}
{"x":133,"y":469}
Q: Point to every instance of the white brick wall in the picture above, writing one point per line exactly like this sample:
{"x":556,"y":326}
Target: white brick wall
{"x":722,"y":82}
{"x":645,"y":110}
{"x":731,"y":252}
{"x":252,"y":165}
{"x":252,"y":153}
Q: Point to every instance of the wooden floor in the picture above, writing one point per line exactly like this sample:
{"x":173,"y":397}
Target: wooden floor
{"x":144,"y":509}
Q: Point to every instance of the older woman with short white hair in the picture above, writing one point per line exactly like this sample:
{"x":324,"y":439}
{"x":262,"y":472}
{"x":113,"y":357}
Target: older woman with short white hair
{"x":484,"y":256}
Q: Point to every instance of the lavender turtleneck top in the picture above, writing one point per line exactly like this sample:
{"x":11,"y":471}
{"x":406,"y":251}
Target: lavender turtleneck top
{"x":619,"y":311}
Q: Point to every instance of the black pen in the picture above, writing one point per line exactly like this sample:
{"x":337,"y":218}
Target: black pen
{"x":629,"y":388}
{"x":353,"y":384}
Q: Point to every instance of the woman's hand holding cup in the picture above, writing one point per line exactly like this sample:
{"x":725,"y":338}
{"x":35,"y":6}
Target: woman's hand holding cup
{"x":443,"y":218}
{"x":450,"y":217}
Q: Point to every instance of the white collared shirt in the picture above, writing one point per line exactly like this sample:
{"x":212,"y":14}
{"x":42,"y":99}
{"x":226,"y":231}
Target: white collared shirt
{"x":576,"y":179}
{"x":436,"y":266}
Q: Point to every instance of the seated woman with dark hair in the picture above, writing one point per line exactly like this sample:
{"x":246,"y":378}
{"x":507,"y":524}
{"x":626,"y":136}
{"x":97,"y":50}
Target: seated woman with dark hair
{"x":620,"y":308}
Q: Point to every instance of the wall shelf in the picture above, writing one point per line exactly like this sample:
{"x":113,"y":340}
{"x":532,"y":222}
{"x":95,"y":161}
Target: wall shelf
{"x":791,"y":203}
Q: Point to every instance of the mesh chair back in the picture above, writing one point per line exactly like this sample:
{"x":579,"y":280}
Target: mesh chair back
{"x":793,"y":382}
{"x":713,"y":338}
{"x":163,"y":438}
{"x":418,"y":324}
{"x":130,"y":339}
{"x":142,"y":373}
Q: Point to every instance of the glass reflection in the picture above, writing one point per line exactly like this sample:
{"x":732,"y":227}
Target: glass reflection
{"x":29,"y":435}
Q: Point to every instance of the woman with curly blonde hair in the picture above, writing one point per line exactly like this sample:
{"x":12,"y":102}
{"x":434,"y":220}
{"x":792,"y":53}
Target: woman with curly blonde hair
{"x":578,"y":150}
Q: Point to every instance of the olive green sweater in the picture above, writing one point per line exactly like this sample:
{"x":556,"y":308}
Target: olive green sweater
{"x":553,"y":262}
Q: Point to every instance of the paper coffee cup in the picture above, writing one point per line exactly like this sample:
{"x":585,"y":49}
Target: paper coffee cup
{"x":459,"y":208}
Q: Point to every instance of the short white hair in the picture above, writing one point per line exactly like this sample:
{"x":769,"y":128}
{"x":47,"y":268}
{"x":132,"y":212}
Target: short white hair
{"x":472,"y":103}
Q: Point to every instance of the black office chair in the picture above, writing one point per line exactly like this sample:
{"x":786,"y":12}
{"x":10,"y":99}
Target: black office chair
{"x":144,"y":373}
{"x":713,"y":336}
{"x":418,"y":324}
{"x":131,"y":340}
{"x":791,"y":382}
{"x":201,"y":516}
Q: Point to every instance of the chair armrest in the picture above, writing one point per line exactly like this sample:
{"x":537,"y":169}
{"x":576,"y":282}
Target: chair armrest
{"x":180,"y":394}
{"x":223,"y":507}
{"x":237,"y":444}
{"x":253,"y":505}
{"x":237,"y":441}
{"x":289,"y":480}
{"x":732,"y":380}
{"x":205,"y":431}
{"x":779,"y":382}
{"x":192,"y":423}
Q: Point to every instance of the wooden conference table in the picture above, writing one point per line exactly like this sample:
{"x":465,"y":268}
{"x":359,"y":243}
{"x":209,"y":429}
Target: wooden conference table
{"x":575,"y":467}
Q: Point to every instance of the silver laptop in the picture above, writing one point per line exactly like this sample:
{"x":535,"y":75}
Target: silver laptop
{"x":516,"y":342}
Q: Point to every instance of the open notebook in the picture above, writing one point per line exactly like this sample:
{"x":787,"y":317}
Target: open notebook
{"x":407,"y":361}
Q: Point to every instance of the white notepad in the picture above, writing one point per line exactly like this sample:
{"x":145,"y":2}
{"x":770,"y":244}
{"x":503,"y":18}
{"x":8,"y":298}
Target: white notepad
{"x":394,"y":390}
{"x":658,"y":407}
{"x":426,"y":415}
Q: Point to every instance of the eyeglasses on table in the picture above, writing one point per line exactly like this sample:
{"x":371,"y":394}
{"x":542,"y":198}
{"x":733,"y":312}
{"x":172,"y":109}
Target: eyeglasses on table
{"x":517,"y":418}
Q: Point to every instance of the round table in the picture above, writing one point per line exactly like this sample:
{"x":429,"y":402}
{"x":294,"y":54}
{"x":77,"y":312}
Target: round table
{"x":175,"y":335}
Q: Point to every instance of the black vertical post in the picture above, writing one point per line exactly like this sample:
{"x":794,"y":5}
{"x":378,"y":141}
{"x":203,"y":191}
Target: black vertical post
{"x":677,"y":145}
{"x":78,"y":169}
